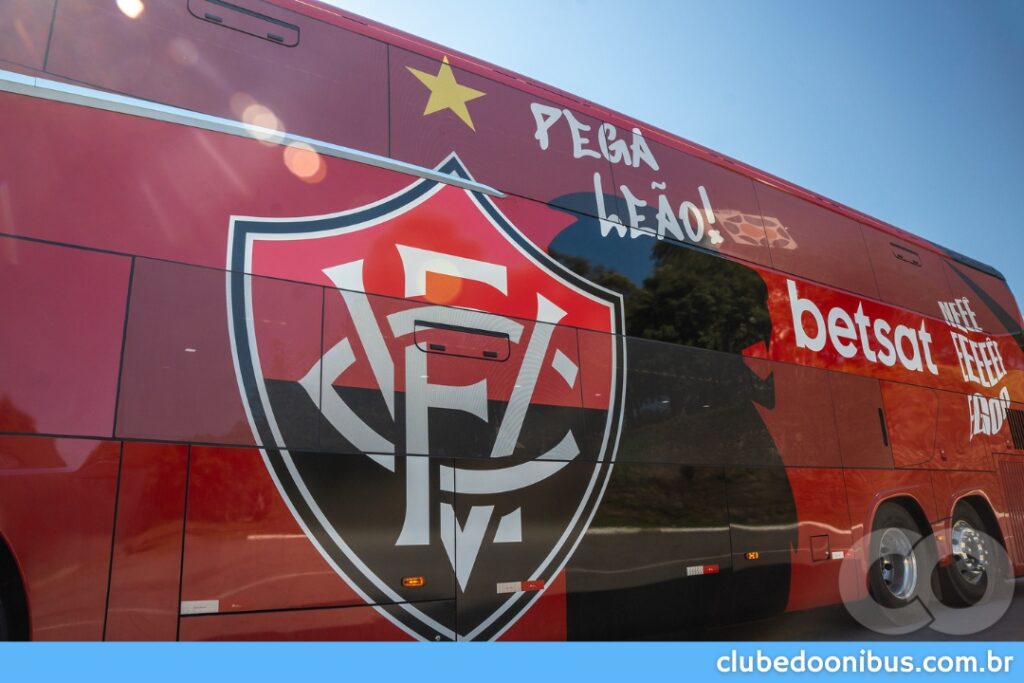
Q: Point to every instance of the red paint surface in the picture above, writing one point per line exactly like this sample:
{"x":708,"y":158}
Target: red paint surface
{"x":867,"y":489}
{"x":349,"y":623}
{"x":545,"y":620}
{"x":144,"y":578}
{"x":911,"y":413}
{"x":181,"y":60}
{"x":801,"y":421}
{"x":820,"y":497}
{"x":60,"y":344}
{"x":57,"y":515}
{"x":857,"y":402}
{"x":823,"y":245}
{"x":502,"y":150}
{"x":26,"y":27}
{"x":242,"y":544}
{"x":178,"y":379}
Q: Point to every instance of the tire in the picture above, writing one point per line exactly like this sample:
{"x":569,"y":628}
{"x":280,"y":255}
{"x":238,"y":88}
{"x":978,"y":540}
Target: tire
{"x":965,"y":580}
{"x":895,"y":577}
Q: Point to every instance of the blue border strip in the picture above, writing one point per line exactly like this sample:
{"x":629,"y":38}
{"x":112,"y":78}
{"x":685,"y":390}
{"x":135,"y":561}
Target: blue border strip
{"x":494,"y":663}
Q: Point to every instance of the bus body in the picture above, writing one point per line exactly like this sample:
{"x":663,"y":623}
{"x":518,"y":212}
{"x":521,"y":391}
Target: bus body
{"x":313,"y":329}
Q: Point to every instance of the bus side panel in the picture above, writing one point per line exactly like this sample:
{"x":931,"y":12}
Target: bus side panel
{"x":907,"y":277}
{"x":911,"y":415}
{"x":860,"y":421}
{"x":243,"y":547}
{"x":331,"y":86}
{"x":60,"y":344}
{"x":824,"y":536}
{"x":57,"y":516}
{"x":497,"y":143}
{"x":178,"y":209}
{"x":641,"y":566}
{"x":956,"y":446}
{"x":344,"y":623}
{"x":546,"y":619}
{"x":816,"y":243}
{"x":989,"y":298}
{"x":1011,"y":472}
{"x":146,"y":572}
{"x":24,"y":30}
{"x":732,"y":207}
{"x":867,"y":489}
{"x":178,"y":380}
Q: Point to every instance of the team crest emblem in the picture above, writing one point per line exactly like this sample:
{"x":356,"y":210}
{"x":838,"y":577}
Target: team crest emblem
{"x":440,"y":408}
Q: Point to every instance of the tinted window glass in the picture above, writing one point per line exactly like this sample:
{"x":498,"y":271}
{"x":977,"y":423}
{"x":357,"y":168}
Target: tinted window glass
{"x":816,"y":243}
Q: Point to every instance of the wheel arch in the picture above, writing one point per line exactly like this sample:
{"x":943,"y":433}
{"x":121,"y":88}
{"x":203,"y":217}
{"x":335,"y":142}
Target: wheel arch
{"x":912,"y":506}
{"x":980,"y":503}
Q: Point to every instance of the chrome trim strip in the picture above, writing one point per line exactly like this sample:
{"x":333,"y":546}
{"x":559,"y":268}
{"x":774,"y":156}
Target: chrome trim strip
{"x":97,"y":99}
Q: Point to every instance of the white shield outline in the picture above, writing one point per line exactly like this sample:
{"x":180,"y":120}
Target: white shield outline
{"x":303,"y":506}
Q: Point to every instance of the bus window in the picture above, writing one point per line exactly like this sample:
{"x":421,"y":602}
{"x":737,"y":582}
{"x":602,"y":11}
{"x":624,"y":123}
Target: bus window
{"x":908,"y":275}
{"x":801,"y":418}
{"x":24,"y":28}
{"x":515,"y":141}
{"x":679,"y":399}
{"x":198,"y":64}
{"x":703,"y":197}
{"x":178,"y":379}
{"x":989,"y":299}
{"x":819,"y":244}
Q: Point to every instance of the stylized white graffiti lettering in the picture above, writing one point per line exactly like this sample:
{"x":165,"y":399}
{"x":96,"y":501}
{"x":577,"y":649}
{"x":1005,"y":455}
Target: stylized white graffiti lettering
{"x":981,"y":363}
{"x":684,"y":221}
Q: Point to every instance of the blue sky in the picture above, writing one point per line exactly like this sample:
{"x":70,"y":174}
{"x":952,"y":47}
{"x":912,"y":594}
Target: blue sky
{"x":910,"y":111}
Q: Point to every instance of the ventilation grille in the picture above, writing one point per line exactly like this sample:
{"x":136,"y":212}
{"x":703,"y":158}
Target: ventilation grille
{"x":1012,"y":474}
{"x":1016,"y":420}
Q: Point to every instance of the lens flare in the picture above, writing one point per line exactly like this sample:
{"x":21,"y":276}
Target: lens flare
{"x":183,"y":51}
{"x":263,"y":123}
{"x":131,"y":8}
{"x":303,"y":161}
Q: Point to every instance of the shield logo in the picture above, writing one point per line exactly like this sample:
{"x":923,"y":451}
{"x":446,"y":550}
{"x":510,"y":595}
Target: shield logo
{"x":434,"y":397}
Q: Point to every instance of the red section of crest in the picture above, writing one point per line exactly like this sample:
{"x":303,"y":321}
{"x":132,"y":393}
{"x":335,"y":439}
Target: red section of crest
{"x":452,"y":227}
{"x":448,"y":222}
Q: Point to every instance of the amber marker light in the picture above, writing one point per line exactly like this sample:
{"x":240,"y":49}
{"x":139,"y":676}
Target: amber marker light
{"x":413,"y":582}
{"x":753,"y":555}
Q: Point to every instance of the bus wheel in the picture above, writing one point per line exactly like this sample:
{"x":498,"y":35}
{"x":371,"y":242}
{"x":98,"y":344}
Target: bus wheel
{"x":973,"y":557}
{"x":895,"y":575}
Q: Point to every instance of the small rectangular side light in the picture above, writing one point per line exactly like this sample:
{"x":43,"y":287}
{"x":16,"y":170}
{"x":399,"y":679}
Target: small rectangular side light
{"x":753,"y":555}
{"x":413,"y":582}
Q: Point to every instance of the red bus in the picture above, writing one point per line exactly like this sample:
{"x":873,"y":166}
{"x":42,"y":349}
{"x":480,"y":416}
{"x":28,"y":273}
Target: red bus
{"x":314,"y":329}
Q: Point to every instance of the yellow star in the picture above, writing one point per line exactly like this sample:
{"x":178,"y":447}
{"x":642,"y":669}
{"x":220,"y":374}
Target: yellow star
{"x":446,"y":93}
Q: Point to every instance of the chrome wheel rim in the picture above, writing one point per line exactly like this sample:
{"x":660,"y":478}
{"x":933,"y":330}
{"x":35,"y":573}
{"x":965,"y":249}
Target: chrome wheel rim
{"x":970,"y":552}
{"x":898,"y":563}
